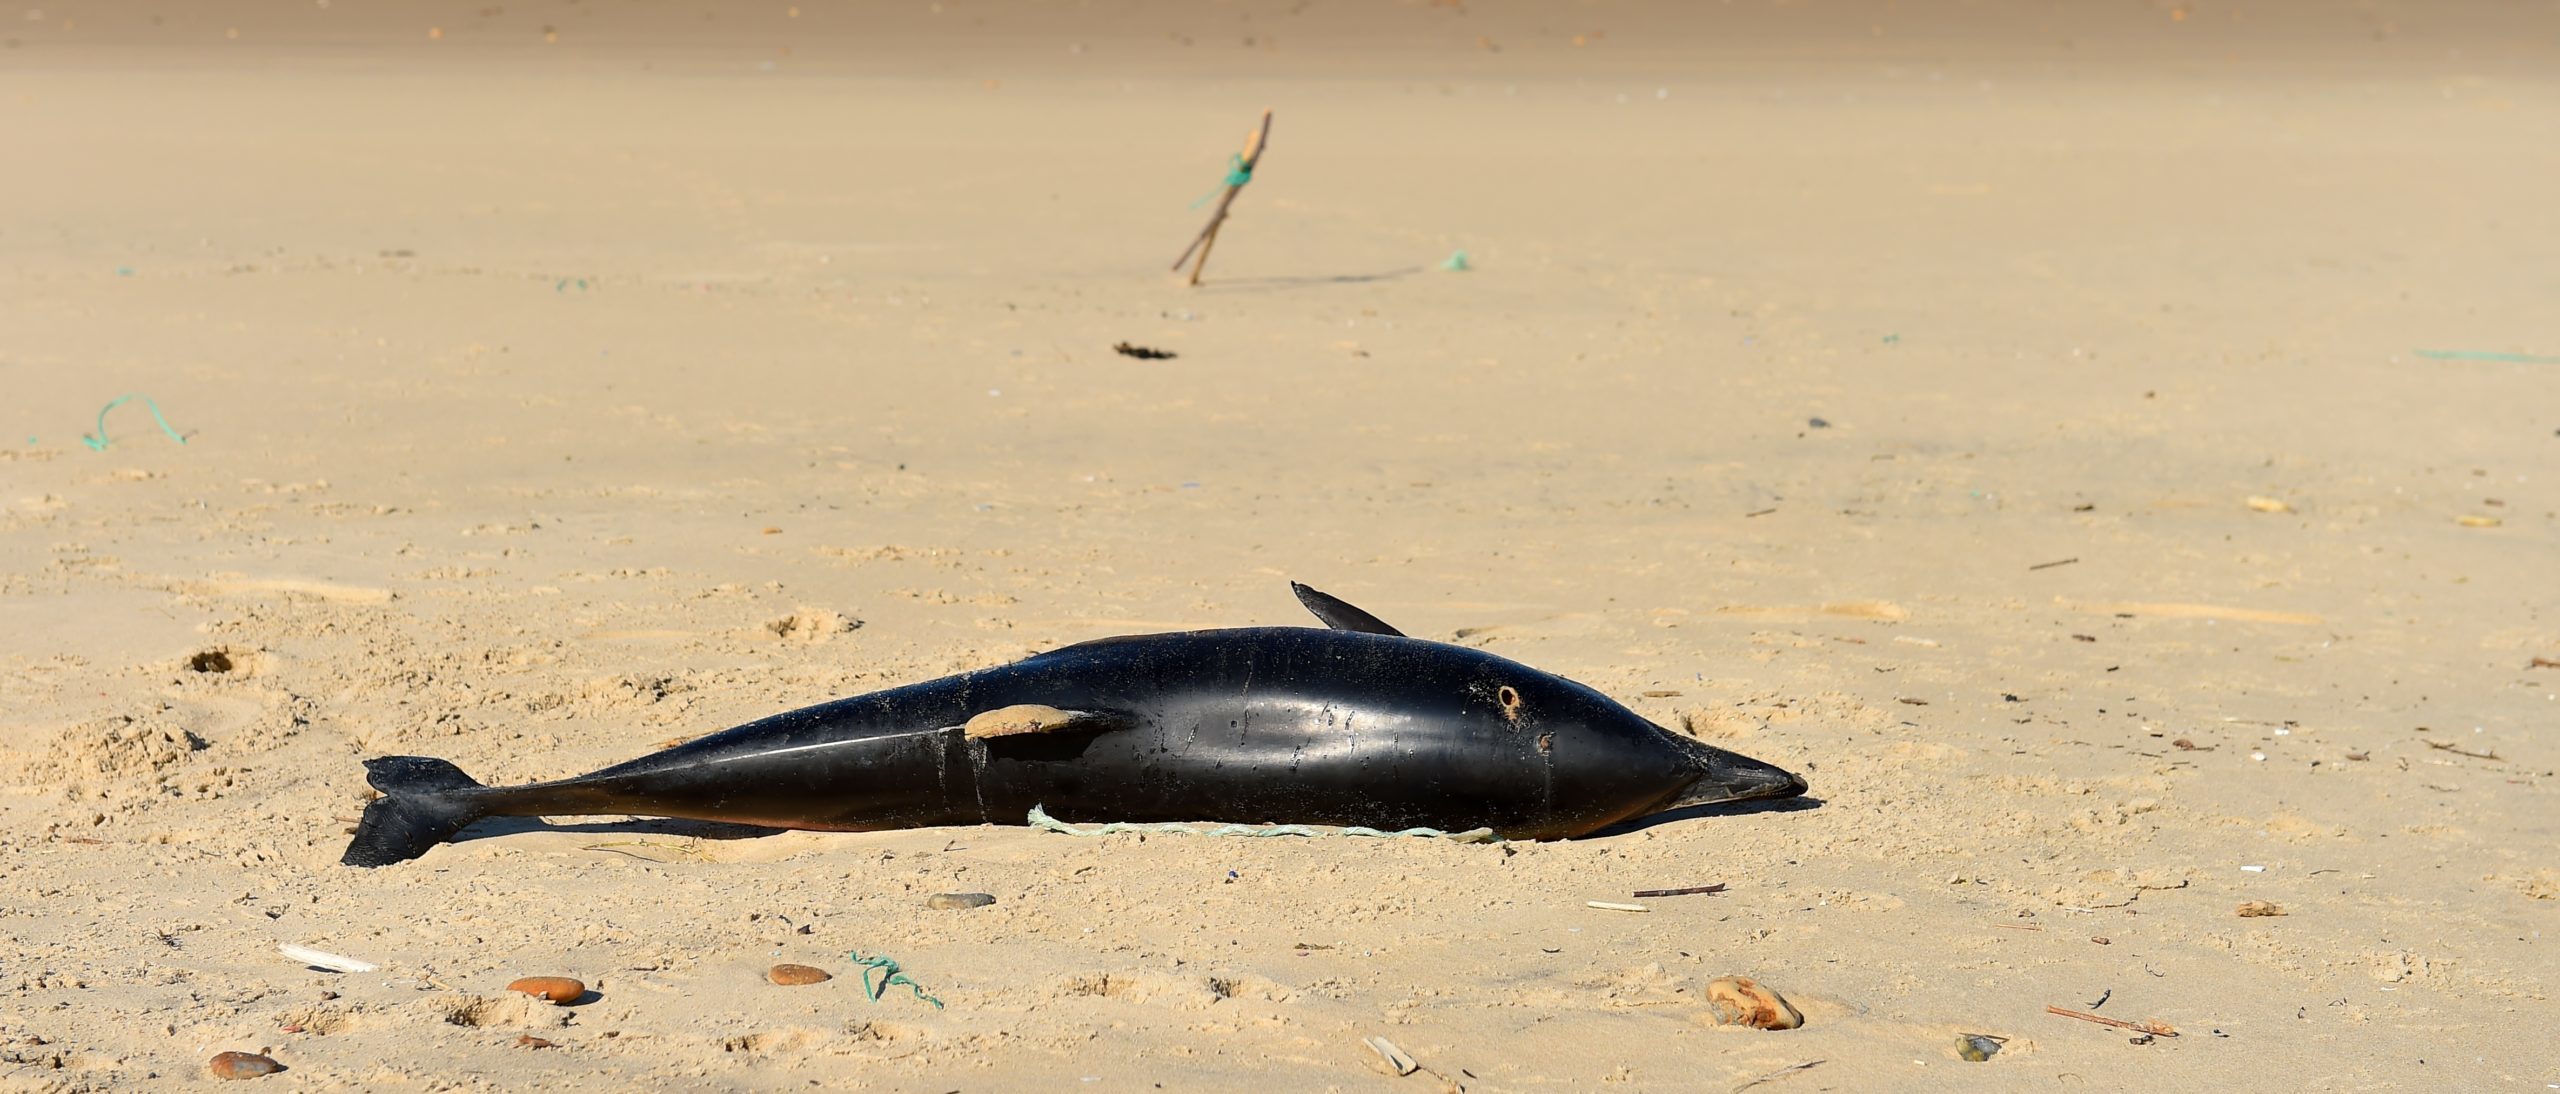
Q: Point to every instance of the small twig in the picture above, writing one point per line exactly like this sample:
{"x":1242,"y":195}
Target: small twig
{"x":1760,"y":512}
{"x":2448,"y":746}
{"x":1775,"y":1074}
{"x":2103,"y":996}
{"x":2544,"y":663}
{"x":1245,"y":163}
{"x":2050,"y":565}
{"x":1692,"y":890}
{"x":2156,"y":1029}
{"x":2019,"y":926}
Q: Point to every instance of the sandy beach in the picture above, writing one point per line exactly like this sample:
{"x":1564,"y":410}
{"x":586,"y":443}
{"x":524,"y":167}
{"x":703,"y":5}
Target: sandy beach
{"x":2111,"y":450}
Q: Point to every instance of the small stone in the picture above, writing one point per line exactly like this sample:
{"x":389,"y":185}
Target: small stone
{"x":243,"y":1065}
{"x":947,"y":902}
{"x":1741,"y":1001}
{"x":1978,"y":1047}
{"x":792,"y":976}
{"x":2258,"y":908}
{"x":527,"y":1040}
{"x":558,"y":989}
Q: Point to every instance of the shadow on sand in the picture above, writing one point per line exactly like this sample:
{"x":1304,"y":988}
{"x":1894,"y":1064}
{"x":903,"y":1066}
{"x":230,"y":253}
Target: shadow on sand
{"x":494,"y":827}
{"x":1247,"y":284}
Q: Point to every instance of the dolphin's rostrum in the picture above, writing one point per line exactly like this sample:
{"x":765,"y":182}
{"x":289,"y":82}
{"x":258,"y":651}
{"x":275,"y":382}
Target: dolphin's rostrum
{"x":1354,"y":725}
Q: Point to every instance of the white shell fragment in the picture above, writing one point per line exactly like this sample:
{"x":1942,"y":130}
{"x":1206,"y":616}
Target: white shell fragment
{"x":325,"y":960}
{"x":1613,"y":907}
{"x":1393,"y":1057}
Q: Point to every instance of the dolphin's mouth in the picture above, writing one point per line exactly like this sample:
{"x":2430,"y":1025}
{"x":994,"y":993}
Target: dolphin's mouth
{"x":1732,"y":777}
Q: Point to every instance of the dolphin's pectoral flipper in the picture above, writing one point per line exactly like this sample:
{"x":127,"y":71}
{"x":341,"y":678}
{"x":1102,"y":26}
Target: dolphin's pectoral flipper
{"x":1340,"y":616}
{"x":1025,"y":718}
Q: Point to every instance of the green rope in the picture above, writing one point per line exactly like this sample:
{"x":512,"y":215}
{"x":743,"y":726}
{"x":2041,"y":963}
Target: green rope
{"x":1238,"y":173}
{"x":1041,"y":819}
{"x":98,"y":443}
{"x":890,"y":977}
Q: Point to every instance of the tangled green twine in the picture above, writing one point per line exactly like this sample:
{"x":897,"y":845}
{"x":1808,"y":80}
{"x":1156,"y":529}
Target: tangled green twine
{"x":1238,"y":173}
{"x":890,"y":977}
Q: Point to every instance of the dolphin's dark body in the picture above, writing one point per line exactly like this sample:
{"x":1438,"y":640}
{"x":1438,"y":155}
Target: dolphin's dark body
{"x":1268,"y":725}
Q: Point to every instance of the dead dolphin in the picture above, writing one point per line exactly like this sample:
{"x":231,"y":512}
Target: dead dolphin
{"x":1354,"y":725}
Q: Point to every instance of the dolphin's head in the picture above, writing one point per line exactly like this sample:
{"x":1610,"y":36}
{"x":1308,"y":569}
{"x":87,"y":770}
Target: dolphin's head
{"x":1731,"y":777}
{"x":1593,"y":761}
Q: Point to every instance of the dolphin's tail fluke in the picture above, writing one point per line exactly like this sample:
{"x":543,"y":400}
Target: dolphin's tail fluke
{"x":424,"y":802}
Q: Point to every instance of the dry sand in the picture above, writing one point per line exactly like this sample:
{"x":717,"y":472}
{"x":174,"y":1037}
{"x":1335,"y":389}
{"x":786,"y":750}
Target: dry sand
{"x":545,"y":401}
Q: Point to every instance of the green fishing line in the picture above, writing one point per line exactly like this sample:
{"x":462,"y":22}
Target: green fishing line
{"x":890,"y":977}
{"x":1238,"y":173}
{"x":2487,"y":355}
{"x":98,"y":442}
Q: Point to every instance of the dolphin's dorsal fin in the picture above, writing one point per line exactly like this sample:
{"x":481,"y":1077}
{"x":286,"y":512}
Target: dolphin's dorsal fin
{"x":1340,"y":616}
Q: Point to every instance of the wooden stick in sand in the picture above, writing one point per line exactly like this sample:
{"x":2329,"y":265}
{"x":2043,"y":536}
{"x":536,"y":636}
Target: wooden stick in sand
{"x":1243,"y":173}
{"x":1686,"y":890}
{"x":2156,"y":1029}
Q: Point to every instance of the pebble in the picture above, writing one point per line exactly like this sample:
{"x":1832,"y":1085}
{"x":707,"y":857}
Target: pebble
{"x":791,"y":976}
{"x":1978,"y":1047}
{"x":558,"y":989}
{"x":1741,"y":1001}
{"x":946,"y":902}
{"x":2257,"y":908}
{"x":243,"y":1065}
